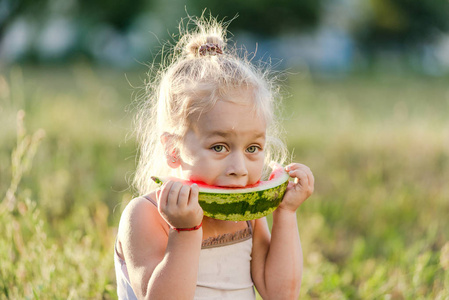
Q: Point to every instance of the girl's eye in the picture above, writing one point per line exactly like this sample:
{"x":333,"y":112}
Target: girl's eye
{"x":252,"y":149}
{"x":218,"y":148}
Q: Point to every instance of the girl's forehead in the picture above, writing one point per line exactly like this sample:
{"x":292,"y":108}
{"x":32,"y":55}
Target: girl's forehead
{"x":228,"y":117}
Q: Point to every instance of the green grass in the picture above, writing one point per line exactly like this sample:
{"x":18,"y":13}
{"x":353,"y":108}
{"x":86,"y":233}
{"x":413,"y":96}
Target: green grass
{"x":375,"y":228}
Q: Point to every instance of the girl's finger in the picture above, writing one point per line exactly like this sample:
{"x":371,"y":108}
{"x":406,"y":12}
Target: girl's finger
{"x":162,"y":196}
{"x":172,"y":199}
{"x":158,"y":193}
{"x":311,"y":180}
{"x":194,"y":192}
{"x":295,"y":166}
{"x":301,"y":175}
{"x":183,"y":197}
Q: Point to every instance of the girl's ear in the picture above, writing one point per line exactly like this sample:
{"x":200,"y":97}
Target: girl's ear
{"x":171,"y":152}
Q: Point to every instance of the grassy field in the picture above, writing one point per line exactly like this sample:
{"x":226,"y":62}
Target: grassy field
{"x":376,"y":227}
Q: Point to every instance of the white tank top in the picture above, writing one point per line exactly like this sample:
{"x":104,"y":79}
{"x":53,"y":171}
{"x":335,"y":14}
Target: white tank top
{"x":224,"y":269}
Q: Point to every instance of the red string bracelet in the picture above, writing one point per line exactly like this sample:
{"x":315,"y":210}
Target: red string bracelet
{"x":189,"y":229}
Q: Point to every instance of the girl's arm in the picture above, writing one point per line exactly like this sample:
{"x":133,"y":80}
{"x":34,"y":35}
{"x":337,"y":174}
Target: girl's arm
{"x":277,"y":260}
{"x":161,"y":262}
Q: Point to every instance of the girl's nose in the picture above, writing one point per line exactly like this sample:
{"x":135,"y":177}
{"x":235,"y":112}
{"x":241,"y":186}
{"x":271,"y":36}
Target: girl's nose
{"x":237,"y":166}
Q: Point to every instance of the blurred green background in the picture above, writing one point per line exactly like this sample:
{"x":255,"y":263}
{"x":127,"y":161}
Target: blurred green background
{"x":366,"y":107}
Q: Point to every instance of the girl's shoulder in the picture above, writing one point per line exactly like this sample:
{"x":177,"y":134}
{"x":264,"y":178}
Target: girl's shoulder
{"x":138,"y":207}
{"x":140,"y":204}
{"x":139,"y":219}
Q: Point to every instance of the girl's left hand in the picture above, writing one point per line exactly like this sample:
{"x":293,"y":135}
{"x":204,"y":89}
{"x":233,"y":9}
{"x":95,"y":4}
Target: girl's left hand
{"x":300,"y":189}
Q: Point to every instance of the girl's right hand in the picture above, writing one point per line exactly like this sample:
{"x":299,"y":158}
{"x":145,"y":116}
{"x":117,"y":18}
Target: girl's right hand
{"x":178,"y":204}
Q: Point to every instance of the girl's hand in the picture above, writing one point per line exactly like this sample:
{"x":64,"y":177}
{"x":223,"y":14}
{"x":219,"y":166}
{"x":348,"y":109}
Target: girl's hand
{"x":300,"y":189}
{"x":178,"y":205}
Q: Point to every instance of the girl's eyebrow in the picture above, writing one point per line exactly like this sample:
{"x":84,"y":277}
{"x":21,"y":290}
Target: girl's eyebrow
{"x":225,"y":134}
{"x":219,"y":133}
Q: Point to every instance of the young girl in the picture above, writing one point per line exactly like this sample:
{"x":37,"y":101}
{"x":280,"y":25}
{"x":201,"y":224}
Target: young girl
{"x":209,"y":118}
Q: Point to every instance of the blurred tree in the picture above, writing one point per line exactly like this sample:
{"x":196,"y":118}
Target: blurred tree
{"x":403,"y":23}
{"x":117,"y":13}
{"x":12,"y":9}
{"x":265,"y":17}
{"x":397,"y":24}
{"x":84,"y":21}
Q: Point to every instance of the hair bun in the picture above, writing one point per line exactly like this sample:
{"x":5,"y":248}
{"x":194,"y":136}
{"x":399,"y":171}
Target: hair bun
{"x":201,"y":45}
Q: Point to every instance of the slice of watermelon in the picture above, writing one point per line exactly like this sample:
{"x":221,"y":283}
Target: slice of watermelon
{"x":241,"y":204}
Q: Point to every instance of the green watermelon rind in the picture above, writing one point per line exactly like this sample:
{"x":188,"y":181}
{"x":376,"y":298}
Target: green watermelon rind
{"x":252,"y":205}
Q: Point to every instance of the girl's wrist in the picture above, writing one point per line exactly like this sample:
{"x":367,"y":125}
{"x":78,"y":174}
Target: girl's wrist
{"x":284,"y":217}
{"x":284,"y":214}
{"x":195,"y":228}
{"x":282,"y":210}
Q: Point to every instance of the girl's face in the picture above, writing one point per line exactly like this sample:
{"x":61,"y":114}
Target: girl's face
{"x":225,"y":146}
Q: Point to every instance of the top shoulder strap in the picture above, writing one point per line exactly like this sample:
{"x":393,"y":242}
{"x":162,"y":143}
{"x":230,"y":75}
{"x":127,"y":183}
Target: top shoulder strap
{"x":151,"y":200}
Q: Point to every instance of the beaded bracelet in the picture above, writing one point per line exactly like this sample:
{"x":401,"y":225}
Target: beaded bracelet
{"x":189,"y":229}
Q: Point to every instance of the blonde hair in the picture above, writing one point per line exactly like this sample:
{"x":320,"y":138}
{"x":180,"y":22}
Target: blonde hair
{"x":187,"y":84}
